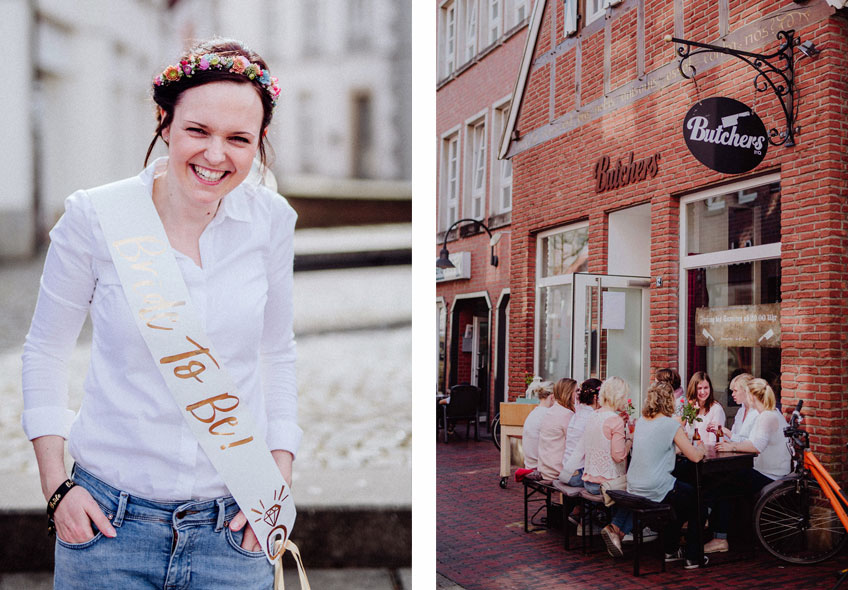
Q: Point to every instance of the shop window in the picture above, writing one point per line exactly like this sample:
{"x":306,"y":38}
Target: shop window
{"x":560,"y":253}
{"x":730,"y":284}
{"x":450,"y":180}
{"x":501,"y":169}
{"x":476,"y":163}
{"x":447,"y":34}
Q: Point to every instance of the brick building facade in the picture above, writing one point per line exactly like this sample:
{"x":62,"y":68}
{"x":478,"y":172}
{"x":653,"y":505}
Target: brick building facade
{"x":481,"y":43}
{"x":629,"y":255}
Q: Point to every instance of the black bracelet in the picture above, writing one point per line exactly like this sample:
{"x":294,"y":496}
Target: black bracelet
{"x":54,"y":501}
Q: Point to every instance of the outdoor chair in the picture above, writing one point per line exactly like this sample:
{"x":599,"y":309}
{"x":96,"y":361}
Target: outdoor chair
{"x":463,"y":406}
{"x":570,"y":498}
{"x":645,"y":513}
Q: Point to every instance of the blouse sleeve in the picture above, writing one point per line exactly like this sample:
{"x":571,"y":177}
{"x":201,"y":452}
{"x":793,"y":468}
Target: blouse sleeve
{"x":278,"y":353}
{"x":614,"y":428}
{"x":67,"y":287}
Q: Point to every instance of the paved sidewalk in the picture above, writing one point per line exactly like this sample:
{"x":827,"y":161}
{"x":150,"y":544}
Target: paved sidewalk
{"x":481,"y":543}
{"x":320,"y":579}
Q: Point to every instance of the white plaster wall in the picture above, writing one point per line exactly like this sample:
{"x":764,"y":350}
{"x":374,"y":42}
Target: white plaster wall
{"x":630,"y":241}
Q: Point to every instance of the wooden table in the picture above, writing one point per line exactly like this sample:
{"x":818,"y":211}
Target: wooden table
{"x":512,"y":425}
{"x":716,"y":469}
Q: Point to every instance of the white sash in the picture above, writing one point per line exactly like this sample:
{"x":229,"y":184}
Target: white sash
{"x":160,"y":302}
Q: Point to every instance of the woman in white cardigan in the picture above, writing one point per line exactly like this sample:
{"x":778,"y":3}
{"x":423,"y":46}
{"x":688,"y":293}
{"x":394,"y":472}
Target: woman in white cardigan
{"x":773,"y":460}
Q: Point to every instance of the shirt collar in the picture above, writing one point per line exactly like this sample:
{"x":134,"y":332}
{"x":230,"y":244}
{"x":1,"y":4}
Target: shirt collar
{"x":234,"y":204}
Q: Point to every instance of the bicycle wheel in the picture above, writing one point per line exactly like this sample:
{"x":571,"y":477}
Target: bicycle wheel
{"x":795,"y":522}
{"x":496,"y":431}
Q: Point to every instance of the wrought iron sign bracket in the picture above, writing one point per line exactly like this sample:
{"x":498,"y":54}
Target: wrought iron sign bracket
{"x":774,"y":70}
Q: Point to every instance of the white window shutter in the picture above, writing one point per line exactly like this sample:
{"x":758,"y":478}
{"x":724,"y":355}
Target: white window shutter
{"x":570,"y":17}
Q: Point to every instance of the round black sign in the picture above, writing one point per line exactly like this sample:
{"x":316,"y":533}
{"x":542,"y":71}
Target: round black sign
{"x":725,"y":135}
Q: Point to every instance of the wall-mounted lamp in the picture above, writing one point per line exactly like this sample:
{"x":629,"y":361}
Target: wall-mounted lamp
{"x":809,"y":49}
{"x":443,"y":261}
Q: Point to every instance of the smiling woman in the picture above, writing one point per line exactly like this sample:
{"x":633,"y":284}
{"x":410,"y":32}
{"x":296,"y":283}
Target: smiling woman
{"x":188,"y":424}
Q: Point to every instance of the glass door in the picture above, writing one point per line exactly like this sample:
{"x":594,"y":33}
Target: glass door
{"x":610,"y":333}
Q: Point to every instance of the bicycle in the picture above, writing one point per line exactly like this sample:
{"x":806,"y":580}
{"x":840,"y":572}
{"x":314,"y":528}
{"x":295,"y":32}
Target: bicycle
{"x":495,"y":430}
{"x":801,"y":518}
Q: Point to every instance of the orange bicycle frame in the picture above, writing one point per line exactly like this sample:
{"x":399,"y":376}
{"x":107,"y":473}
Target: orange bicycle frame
{"x":828,"y":485}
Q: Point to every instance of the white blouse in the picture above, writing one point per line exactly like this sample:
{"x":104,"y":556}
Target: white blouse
{"x":741,"y":430}
{"x":129,"y":431}
{"x":774,"y":460}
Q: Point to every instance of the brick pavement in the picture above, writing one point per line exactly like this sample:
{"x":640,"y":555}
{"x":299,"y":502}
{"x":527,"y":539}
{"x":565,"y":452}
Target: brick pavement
{"x":481,"y":543}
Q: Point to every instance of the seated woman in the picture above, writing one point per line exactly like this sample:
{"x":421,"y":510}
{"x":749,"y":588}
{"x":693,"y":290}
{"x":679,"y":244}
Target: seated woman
{"x":699,"y":393}
{"x":772,"y":462}
{"x":587,"y":398}
{"x":606,"y":438}
{"x":554,"y":428}
{"x":671,"y":377}
{"x":532,"y":424}
{"x":746,"y":415}
{"x":649,"y":475}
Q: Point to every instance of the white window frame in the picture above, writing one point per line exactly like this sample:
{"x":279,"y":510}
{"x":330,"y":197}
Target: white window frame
{"x":595,"y":9}
{"x":450,"y":200}
{"x":360,"y":18}
{"x":520,"y":11}
{"x":475,"y":164}
{"x":501,"y":170}
{"x":495,"y":20}
{"x":551,"y":281}
{"x":470,"y":29}
{"x":448,"y":35}
{"x":720,"y":258}
{"x":570,"y":15}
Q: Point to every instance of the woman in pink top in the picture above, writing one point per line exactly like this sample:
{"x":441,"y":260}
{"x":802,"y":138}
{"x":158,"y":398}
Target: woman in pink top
{"x":699,"y":393}
{"x":607,"y":438}
{"x":553,"y":429}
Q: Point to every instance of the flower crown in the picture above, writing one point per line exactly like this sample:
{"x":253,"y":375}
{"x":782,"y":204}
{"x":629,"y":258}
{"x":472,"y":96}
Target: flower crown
{"x":212,"y":61}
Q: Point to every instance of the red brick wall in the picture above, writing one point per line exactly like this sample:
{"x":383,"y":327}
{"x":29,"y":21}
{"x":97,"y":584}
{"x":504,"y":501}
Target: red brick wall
{"x":553,"y":186}
{"x":623,"y":49}
{"x":659,"y":22}
{"x":471,"y":91}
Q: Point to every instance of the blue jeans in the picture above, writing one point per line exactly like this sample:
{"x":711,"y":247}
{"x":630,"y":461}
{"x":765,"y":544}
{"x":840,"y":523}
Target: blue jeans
{"x":170,"y":545}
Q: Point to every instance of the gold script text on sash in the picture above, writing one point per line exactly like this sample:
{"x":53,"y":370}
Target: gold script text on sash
{"x":193,"y":368}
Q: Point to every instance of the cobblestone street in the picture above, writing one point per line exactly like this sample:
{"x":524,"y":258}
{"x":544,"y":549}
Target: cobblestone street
{"x":354,"y":350}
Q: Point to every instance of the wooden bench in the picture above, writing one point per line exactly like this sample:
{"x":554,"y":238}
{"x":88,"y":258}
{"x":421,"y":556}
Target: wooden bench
{"x":645,"y":513}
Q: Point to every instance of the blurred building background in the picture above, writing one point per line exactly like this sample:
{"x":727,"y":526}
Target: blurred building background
{"x":78,"y":111}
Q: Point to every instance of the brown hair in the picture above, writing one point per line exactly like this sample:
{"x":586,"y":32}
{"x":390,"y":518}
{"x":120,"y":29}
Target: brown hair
{"x":659,"y":399}
{"x":589,"y":389}
{"x":564,"y":392}
{"x":669,"y":376}
{"x":692,"y":389}
{"x":167,"y":96}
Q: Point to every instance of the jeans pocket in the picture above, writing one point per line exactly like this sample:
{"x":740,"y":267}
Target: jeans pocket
{"x":234,"y":540}
{"x":79,"y":546}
